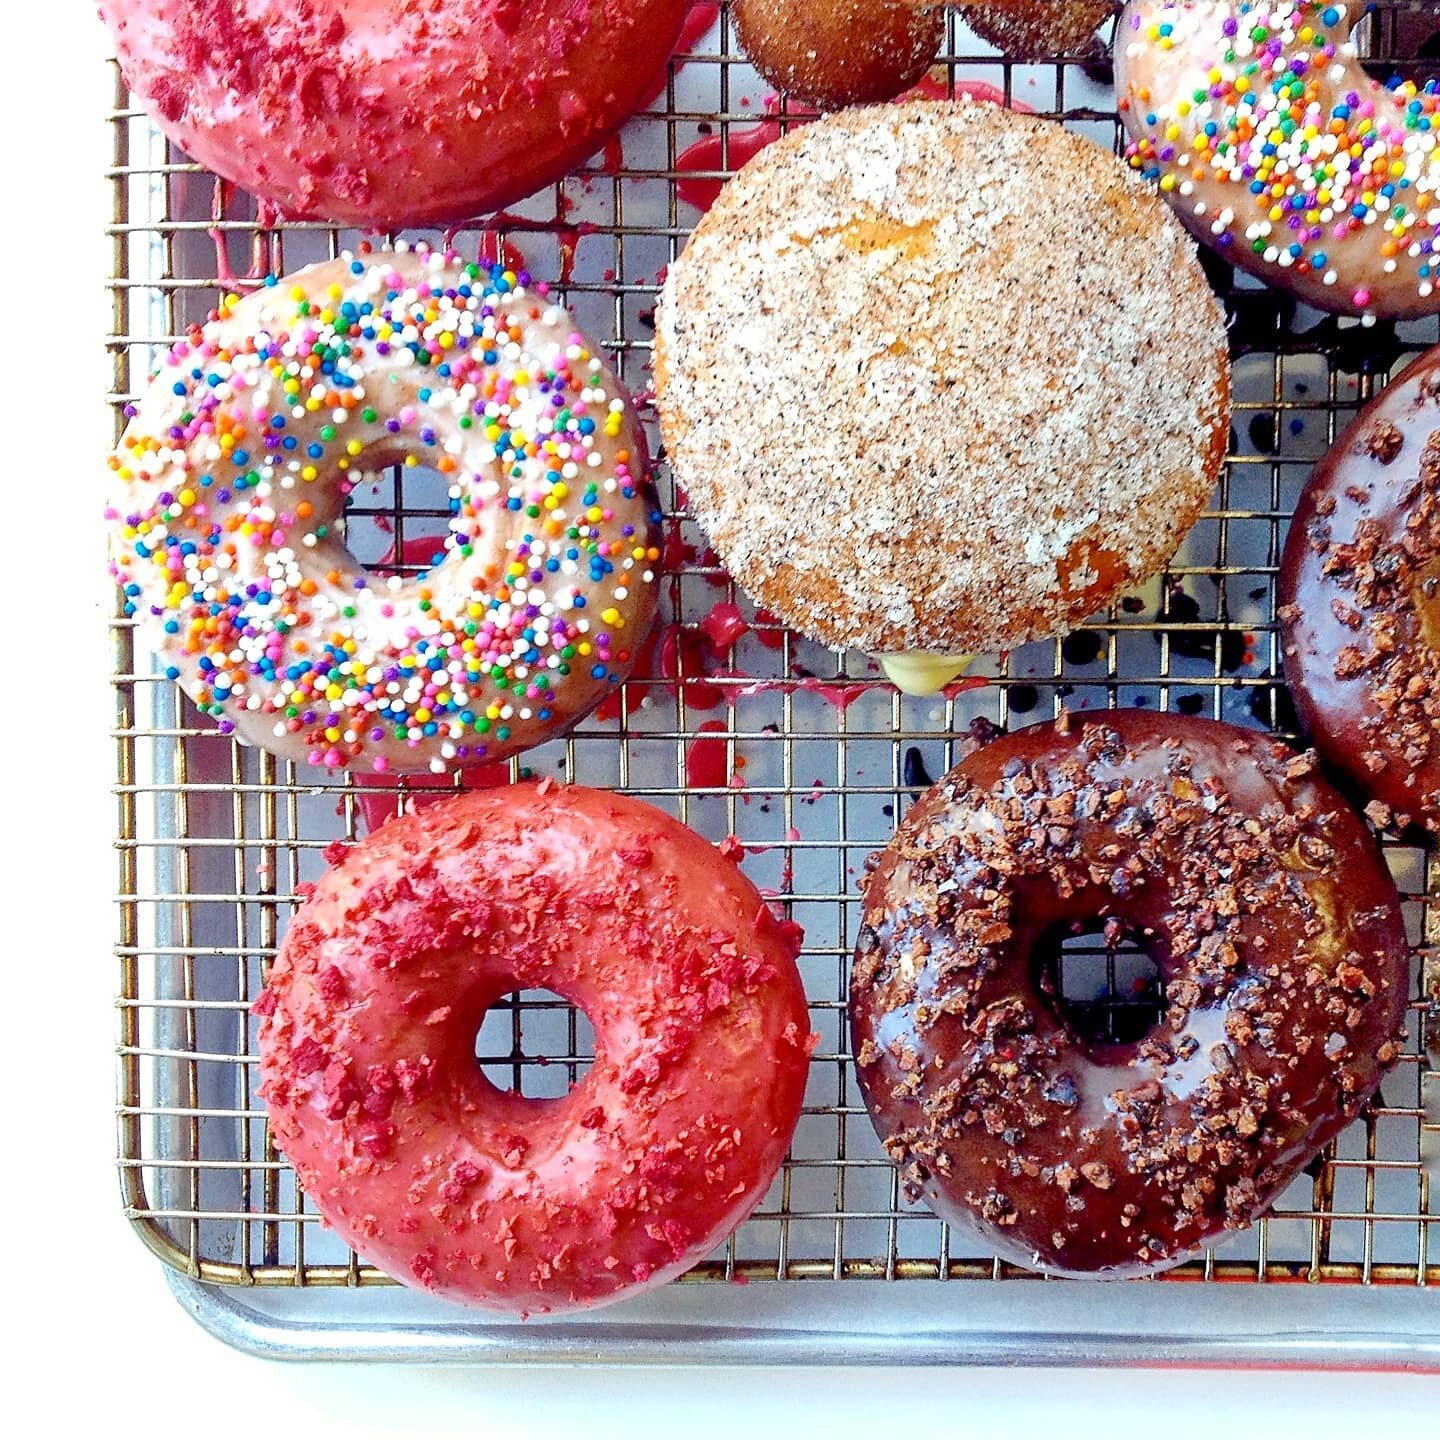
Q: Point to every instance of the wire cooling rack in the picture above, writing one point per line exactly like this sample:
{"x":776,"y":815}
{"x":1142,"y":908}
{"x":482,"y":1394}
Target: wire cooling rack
{"x":803,"y":754}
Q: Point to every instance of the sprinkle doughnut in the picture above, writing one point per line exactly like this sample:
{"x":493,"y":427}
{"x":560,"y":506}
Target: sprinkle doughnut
{"x":1358,"y":602}
{"x":391,"y":112}
{"x":1034,"y":28}
{"x":1258,"y":893}
{"x":486,"y":1197}
{"x":831,"y":53}
{"x":227,"y":515}
{"x":845,"y":300}
{"x":1275,"y":147}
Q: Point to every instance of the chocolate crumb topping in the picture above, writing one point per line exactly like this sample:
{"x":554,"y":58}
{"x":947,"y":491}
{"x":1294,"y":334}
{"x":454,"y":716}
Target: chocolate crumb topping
{"x":1358,"y":600}
{"x":1259,"y":894}
{"x":1385,"y":441}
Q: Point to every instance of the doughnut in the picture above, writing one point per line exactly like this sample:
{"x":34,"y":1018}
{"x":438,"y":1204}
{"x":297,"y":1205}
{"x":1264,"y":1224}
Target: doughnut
{"x":935,"y":322}
{"x":1358,"y":604}
{"x":480,"y":1195}
{"x":833,"y":53}
{"x":1264,"y":902}
{"x":386,"y":114}
{"x":226,"y":516}
{"x":1035,"y":28}
{"x":1274,"y":146}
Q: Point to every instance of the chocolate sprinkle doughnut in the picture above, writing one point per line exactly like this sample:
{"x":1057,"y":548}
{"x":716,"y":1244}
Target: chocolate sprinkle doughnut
{"x":1358,"y":607}
{"x":1263,"y":901}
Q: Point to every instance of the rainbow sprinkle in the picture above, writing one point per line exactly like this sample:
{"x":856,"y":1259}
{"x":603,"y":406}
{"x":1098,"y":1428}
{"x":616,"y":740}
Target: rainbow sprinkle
{"x":1318,"y":164}
{"x":226,"y":531}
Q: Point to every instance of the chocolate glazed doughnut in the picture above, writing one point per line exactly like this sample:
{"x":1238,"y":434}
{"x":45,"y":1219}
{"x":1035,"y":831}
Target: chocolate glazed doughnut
{"x":1359,"y":610}
{"x":1277,"y":931}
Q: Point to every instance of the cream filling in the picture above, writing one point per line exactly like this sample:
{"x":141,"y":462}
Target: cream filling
{"x":919,"y":672}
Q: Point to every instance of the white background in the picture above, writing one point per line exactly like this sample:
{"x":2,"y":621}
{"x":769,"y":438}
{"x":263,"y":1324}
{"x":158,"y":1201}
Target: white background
{"x":89,"y":1335}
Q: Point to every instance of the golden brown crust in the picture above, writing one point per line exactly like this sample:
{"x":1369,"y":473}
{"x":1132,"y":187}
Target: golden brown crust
{"x":832,"y":53}
{"x":938,"y":376}
{"x":1033,"y":28}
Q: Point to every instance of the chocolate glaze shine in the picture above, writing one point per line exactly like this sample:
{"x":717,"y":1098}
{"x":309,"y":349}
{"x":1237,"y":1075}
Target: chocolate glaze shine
{"x":1260,"y":895}
{"x":1359,"y":608}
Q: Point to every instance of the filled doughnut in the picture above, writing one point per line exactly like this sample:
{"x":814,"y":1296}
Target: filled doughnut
{"x":1032,"y":29}
{"x":832,"y":53}
{"x":1273,"y":144}
{"x":1359,"y":601}
{"x":227,"y":515}
{"x":935,"y":322}
{"x":485,"y":1197}
{"x":386,"y":114}
{"x":1264,"y":902}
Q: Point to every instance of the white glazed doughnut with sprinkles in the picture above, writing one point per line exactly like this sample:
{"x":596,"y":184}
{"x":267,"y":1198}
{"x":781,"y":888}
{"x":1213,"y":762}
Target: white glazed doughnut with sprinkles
{"x":227,"y":515}
{"x":1274,"y":146}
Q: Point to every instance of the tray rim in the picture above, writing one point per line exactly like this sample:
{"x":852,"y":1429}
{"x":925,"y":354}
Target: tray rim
{"x":222,"y":1313}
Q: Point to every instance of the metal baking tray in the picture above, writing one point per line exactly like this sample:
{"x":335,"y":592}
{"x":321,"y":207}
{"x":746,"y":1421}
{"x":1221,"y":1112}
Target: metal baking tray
{"x":808,"y":758}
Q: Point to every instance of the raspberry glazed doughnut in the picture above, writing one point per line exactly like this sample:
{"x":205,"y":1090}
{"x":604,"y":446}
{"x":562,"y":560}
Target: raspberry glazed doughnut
{"x":1275,"y":147}
{"x":227,"y":515}
{"x":1277,"y":929}
{"x":367,"y":1047}
{"x":1358,"y":603}
{"x":935,"y":322}
{"x":384,"y":113}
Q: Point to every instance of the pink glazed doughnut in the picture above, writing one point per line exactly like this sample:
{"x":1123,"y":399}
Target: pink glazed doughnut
{"x":380,"y":113}
{"x":451,"y":1185}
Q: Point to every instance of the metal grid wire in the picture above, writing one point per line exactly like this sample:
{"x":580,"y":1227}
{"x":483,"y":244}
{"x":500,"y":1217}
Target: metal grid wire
{"x":814,"y":764}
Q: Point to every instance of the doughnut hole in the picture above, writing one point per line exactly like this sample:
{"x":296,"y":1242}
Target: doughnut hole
{"x":534,"y":1045}
{"x":1103,"y":982}
{"x":833,"y":53}
{"x":396,"y":519}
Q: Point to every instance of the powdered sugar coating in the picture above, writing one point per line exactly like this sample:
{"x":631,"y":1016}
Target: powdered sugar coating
{"x":938,"y":376}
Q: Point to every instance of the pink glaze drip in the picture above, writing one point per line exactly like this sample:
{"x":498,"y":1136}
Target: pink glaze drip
{"x":706,"y":765}
{"x":698,"y":20}
{"x":495,"y":251}
{"x":723,"y":626}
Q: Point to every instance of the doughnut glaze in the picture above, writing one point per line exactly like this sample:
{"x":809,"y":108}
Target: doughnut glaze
{"x":831,"y":53}
{"x":1358,"y":603}
{"x":382,"y":113}
{"x":1264,"y":902}
{"x":484,"y":1197}
{"x":227,"y":515}
{"x":935,"y":322}
{"x":1274,"y":146}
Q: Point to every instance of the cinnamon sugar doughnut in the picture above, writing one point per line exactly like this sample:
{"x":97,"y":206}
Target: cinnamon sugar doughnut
{"x":831,"y":53}
{"x":1032,"y":28}
{"x":940,"y":377}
